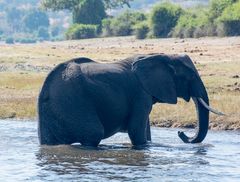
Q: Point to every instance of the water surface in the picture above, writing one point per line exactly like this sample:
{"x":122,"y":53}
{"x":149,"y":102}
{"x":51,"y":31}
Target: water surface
{"x":166,"y":159}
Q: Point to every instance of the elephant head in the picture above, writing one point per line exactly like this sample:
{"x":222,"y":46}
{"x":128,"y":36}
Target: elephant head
{"x":167,"y":77}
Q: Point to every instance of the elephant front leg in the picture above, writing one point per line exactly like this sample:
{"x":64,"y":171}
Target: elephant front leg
{"x":138,"y":125}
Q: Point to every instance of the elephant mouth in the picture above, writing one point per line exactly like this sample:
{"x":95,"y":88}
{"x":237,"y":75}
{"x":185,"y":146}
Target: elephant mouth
{"x":208,"y":107}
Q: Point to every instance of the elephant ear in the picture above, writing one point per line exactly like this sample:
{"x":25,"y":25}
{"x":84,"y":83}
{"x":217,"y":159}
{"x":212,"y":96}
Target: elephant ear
{"x":156,"y":76}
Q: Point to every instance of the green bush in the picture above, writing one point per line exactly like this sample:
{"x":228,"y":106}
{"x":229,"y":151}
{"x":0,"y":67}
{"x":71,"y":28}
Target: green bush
{"x":163,"y":18}
{"x":193,"y":24}
{"x":55,"y":31}
{"x":9,"y":40}
{"x":27,"y":41}
{"x":217,"y":7}
{"x":123,"y":24}
{"x":43,"y":33}
{"x":230,"y":20}
{"x":2,"y":37}
{"x":222,"y":19}
{"x":57,"y":39}
{"x":121,"y":28}
{"x":81,"y":31}
{"x":107,"y":27}
{"x":141,"y":30}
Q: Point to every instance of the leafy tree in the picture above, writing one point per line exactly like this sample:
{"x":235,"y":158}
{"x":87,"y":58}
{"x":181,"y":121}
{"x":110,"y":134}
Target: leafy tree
{"x":81,"y":31}
{"x":55,"y":31}
{"x":2,"y":6}
{"x":71,"y":4}
{"x":43,"y":33}
{"x":230,"y":20}
{"x":123,"y":24}
{"x":190,"y":23}
{"x":163,"y":18}
{"x":89,"y":12}
{"x":14,"y":15}
{"x":141,"y":30}
{"x":9,"y":40}
{"x":217,"y":7}
{"x":85,"y":11}
{"x":107,"y":27}
{"x":35,"y":19}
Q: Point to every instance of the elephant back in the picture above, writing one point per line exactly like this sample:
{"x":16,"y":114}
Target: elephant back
{"x":81,"y":60}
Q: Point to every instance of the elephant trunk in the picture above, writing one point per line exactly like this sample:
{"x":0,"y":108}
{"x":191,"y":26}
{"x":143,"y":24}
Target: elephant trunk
{"x":203,"y":117}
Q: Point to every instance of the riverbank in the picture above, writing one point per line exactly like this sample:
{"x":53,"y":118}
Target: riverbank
{"x":24,"y":67}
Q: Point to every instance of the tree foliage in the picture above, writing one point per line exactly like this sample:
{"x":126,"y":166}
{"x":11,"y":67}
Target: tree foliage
{"x":85,"y":11}
{"x":141,"y":30}
{"x":123,"y":24}
{"x":231,"y":13}
{"x":14,"y":15}
{"x":230,"y":20}
{"x":43,"y":33}
{"x":190,"y":23}
{"x":35,"y":19}
{"x":71,"y":4}
{"x":81,"y":31}
{"x":217,"y":7}
{"x":163,"y":18}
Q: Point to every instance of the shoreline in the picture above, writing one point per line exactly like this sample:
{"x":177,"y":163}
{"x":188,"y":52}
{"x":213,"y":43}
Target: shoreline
{"x":23,"y":69}
{"x":214,"y":126}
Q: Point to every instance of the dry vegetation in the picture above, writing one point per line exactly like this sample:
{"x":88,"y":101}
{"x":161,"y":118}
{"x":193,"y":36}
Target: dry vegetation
{"x":24,"y":67}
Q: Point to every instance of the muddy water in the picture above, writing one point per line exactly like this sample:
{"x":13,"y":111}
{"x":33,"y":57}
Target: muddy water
{"x":166,"y":159}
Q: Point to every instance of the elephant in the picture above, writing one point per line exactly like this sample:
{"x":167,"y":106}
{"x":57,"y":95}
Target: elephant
{"x":83,"y":101}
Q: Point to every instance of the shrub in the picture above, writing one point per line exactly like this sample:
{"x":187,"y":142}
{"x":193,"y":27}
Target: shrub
{"x":27,"y":41}
{"x":2,"y":37}
{"x":55,"y":31}
{"x":57,"y":39}
{"x":9,"y":40}
{"x":163,"y":18}
{"x":123,"y":24}
{"x":230,"y":20}
{"x":88,"y":11}
{"x":121,"y":28}
{"x":107,"y":27}
{"x":141,"y":30}
{"x":34,"y":19}
{"x":81,"y":31}
{"x":217,"y":7}
{"x":193,"y":24}
{"x":43,"y":33}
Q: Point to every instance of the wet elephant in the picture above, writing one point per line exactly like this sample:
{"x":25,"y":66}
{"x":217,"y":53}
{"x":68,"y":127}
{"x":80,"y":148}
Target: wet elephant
{"x":84,"y":101}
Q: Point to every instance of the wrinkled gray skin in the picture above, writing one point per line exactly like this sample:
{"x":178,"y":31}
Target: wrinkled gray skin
{"x":83,"y":101}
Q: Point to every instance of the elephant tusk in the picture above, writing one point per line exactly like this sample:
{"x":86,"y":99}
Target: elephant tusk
{"x":209,"y":108}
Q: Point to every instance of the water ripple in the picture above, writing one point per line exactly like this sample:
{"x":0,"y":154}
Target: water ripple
{"x":166,"y":159}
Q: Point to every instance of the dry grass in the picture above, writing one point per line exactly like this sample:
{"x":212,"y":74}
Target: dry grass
{"x":18,"y":93}
{"x":24,"y":67}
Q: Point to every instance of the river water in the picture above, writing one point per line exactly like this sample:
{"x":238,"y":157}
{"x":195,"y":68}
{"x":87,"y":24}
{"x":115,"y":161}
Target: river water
{"x":166,"y":159}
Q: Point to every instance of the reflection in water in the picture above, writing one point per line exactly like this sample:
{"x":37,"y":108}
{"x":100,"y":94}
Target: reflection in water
{"x":107,"y":161}
{"x":118,"y":161}
{"x":167,"y":159}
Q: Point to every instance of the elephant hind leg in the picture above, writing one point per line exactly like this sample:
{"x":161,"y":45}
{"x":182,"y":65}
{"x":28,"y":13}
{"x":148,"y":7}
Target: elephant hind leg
{"x":50,"y":131}
{"x":86,"y":128}
{"x":93,"y":133}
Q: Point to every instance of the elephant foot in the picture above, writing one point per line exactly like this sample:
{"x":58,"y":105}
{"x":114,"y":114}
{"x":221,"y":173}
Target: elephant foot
{"x":142,"y":146}
{"x":90,"y":145}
